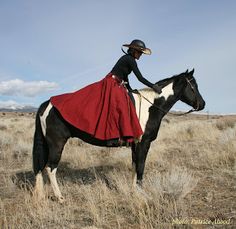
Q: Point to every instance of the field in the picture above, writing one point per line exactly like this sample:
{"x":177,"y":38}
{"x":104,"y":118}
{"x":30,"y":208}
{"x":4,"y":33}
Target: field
{"x":189,"y":180}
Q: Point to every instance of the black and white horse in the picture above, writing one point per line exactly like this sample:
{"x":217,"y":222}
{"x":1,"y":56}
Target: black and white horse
{"x":52,"y":131}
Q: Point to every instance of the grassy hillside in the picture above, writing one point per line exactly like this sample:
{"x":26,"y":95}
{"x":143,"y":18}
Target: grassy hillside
{"x":190,"y":178}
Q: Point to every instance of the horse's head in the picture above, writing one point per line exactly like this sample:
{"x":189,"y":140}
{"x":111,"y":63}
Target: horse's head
{"x":191,"y":94}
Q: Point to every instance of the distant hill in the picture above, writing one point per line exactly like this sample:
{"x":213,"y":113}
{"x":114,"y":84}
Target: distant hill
{"x":18,"y":109}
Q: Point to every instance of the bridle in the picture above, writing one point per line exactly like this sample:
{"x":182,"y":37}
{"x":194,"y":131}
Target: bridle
{"x":164,"y":111}
{"x":194,"y":92}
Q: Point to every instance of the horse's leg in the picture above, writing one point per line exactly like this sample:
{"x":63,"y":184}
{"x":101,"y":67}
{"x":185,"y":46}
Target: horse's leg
{"x":55,"y":151}
{"x":39,"y":187}
{"x":40,"y":154}
{"x":134,"y":177}
{"x":54,"y":184}
{"x":141,"y":155}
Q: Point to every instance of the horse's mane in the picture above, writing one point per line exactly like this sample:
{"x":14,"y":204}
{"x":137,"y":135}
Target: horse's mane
{"x":162,"y":83}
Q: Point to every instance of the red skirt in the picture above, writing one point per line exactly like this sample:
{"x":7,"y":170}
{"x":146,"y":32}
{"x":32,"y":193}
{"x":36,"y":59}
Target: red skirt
{"x":103,"y":109}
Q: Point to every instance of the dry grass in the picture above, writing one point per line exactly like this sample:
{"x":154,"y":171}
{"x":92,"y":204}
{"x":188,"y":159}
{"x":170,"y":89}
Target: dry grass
{"x":190,"y":178}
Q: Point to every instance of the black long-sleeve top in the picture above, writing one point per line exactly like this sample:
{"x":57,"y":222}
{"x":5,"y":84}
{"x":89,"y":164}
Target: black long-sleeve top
{"x":124,"y":66}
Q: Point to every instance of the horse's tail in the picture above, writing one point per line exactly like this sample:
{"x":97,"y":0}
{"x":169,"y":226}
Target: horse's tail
{"x":40,"y":148}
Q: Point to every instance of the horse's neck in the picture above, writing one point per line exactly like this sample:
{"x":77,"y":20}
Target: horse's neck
{"x":148,"y":93}
{"x":151,"y":95}
{"x":146,"y":98}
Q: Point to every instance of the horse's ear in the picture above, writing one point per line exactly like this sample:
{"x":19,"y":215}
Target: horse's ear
{"x":191,"y":72}
{"x":186,"y":72}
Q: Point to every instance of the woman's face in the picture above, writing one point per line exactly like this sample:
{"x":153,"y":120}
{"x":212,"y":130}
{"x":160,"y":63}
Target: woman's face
{"x":137,"y":54}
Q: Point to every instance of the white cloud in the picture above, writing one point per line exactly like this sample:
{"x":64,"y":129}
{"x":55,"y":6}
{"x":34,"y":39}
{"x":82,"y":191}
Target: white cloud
{"x":22,"y":88}
{"x":11,"y":104}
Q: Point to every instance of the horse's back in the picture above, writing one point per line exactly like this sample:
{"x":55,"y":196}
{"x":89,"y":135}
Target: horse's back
{"x":43,"y":107}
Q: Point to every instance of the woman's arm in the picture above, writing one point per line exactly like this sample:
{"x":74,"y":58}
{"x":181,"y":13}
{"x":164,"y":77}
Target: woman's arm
{"x":138,"y":74}
{"x":140,"y":77}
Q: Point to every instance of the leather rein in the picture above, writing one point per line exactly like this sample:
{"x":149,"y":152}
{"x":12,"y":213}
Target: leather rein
{"x":164,"y":111}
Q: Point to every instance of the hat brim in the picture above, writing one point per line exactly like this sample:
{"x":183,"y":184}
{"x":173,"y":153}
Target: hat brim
{"x":146,"y":51}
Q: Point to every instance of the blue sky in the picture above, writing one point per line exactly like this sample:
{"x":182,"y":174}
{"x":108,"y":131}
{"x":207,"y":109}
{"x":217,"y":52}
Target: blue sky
{"x":51,"y":47}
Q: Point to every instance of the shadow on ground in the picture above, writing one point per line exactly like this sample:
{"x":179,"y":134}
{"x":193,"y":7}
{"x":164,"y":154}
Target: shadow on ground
{"x":87,"y":176}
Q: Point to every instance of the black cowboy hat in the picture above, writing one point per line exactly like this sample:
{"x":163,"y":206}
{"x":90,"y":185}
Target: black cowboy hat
{"x":139,"y":46}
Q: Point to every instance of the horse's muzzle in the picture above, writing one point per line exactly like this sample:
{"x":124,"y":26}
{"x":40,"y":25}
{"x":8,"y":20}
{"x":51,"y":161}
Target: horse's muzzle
{"x":200,"y":106}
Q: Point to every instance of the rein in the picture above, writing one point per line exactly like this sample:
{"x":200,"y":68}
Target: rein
{"x":193,"y":89}
{"x":154,"y":105}
{"x":162,"y":110}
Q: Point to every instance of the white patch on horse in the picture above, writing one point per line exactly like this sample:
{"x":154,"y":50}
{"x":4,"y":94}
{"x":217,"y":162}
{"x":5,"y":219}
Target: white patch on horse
{"x":142,"y":105}
{"x":167,"y":91}
{"x":134,"y":175}
{"x":54,"y":184}
{"x":38,"y":190}
{"x":43,"y":118}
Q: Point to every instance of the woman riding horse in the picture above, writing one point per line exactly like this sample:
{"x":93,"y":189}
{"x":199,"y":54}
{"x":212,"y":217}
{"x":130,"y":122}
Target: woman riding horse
{"x":52,"y":130}
{"x":108,"y":108}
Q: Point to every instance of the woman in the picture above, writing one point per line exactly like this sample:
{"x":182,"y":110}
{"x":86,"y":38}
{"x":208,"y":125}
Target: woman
{"x":127,"y":63}
{"x":104,"y":109}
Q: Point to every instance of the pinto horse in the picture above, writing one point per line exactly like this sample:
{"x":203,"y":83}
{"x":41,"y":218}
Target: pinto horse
{"x":52,"y":131}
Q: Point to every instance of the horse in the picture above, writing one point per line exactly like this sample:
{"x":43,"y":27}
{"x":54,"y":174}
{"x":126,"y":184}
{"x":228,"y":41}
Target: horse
{"x":52,"y":131}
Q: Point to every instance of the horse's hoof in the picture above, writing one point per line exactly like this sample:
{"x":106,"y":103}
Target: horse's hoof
{"x":139,"y":183}
{"x":143,"y":193}
{"x":61,"y":200}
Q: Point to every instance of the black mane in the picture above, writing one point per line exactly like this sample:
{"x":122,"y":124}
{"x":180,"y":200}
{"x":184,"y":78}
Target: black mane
{"x":164,"y":82}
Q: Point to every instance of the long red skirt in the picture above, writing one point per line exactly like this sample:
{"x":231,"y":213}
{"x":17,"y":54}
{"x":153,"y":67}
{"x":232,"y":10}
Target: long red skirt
{"x":103,"y":109}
